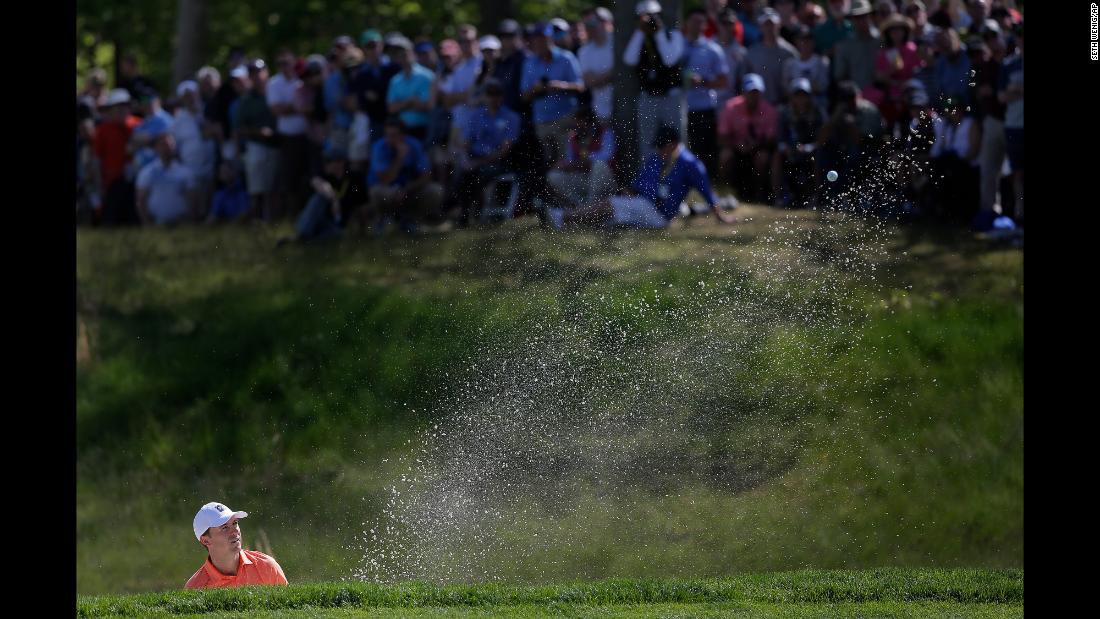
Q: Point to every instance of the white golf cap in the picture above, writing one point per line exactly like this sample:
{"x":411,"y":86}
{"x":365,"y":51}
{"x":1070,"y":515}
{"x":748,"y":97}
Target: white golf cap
{"x":185,"y":86}
{"x":488,"y":42}
{"x":646,"y":7}
{"x":239,"y":73}
{"x":117,"y":96}
{"x":214,"y":515}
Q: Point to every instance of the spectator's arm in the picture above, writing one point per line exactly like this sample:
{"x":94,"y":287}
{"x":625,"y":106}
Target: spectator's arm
{"x":633,"y":52}
{"x":670,"y":45}
{"x":143,"y":206}
{"x":428,"y":102}
{"x":391,"y":173}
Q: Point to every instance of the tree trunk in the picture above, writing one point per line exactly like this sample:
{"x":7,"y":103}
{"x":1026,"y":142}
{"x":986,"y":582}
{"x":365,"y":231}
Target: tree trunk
{"x":492,"y":11}
{"x":625,"y":118}
{"x":190,"y":39}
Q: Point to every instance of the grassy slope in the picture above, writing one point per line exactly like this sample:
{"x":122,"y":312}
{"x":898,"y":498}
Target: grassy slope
{"x":892,"y":592}
{"x":210,"y":365}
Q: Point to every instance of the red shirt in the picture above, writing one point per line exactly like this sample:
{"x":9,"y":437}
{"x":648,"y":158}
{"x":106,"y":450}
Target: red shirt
{"x":110,"y":143}
{"x":738,"y":122}
{"x":710,"y":31}
{"x":254,"y":568}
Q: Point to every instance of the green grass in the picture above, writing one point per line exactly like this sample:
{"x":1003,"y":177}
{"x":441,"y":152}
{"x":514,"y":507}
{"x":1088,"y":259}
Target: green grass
{"x":288,"y":383}
{"x":884,"y":592}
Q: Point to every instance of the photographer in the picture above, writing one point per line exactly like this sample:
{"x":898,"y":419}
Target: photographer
{"x":656,"y":52}
{"x":551,"y":82}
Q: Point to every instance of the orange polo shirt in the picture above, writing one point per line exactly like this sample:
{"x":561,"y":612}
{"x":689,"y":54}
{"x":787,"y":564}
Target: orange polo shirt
{"x":254,"y":568}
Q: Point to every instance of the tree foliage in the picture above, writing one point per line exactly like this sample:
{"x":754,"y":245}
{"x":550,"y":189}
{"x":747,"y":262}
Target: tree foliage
{"x":148,"y":29}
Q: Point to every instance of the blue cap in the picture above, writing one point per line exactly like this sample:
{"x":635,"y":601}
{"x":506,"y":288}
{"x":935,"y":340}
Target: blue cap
{"x":424,"y":46}
{"x":753,"y":81}
{"x":544,"y":29}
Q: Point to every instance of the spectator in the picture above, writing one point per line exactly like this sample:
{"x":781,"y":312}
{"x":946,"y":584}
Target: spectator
{"x":924,"y":126}
{"x":794,"y":169}
{"x":459,"y":88}
{"x":597,"y":62}
{"x":836,"y":28}
{"x":256,"y":126}
{"x":339,"y":101}
{"x":926,"y":70}
{"x":884,"y":10}
{"x":584,"y":175}
{"x":491,"y":132}
{"x":952,"y":69}
{"x":850,"y":138}
{"x":338,"y":194}
{"x":767,"y":57}
{"x":717,"y":26}
{"x":440,"y":124}
{"x":1010,"y":91}
{"x":372,"y":81}
{"x":130,"y":78}
{"x":209,"y":82}
{"x":955,"y":160}
{"x":426,"y":55}
{"x":400,"y":179}
{"x":509,"y":71}
{"x":490,"y":57}
{"x":551,"y":82}
{"x":747,"y":130}
{"x":915,"y":10}
{"x":977,"y":17}
{"x":411,"y":95}
{"x":895,"y":65}
{"x":992,"y":114}
{"x":735,"y":54}
{"x":563,"y":36}
{"x":813,"y":15}
{"x":156,"y":121}
{"x":165,"y":187}
{"x":195,"y":144}
{"x":579,"y":34}
{"x":707,"y":73}
{"x":813,"y":67}
{"x":655,"y":52}
{"x":655,"y":197}
{"x":218,"y":109}
{"x":241,"y":83}
{"x":789,"y":25}
{"x":312,"y":101}
{"x":855,"y":56}
{"x":94,"y":94}
{"x":291,"y":127}
{"x":358,"y":133}
{"x":750,"y":22}
{"x":110,"y":142}
{"x":231,"y":202}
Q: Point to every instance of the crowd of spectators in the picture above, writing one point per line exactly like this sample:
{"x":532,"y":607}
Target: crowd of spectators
{"x":761,"y":97}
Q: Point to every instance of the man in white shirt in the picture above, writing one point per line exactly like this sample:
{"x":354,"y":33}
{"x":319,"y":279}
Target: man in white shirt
{"x":292,"y":128}
{"x":597,"y":60}
{"x":656,"y":51}
{"x":195,"y":143}
{"x":165,"y":187}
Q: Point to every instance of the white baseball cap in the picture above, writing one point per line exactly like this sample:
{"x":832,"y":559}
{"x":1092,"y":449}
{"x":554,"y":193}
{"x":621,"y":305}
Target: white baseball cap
{"x":214,"y":515}
{"x":117,"y":97}
{"x":489,"y":42}
{"x":185,"y":86}
{"x":647,"y":7}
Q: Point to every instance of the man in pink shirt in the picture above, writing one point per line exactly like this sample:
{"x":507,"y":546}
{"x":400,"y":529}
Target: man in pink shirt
{"x":747,"y":129}
{"x":227,"y":563}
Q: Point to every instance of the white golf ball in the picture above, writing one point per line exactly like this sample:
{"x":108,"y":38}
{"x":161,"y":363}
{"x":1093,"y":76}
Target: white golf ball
{"x":832,"y":176}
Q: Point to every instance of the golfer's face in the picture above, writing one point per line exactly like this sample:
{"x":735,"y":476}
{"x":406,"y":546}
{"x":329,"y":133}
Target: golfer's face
{"x":226,"y":537}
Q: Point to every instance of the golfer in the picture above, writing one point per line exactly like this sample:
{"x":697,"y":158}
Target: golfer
{"x":227,"y":563}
